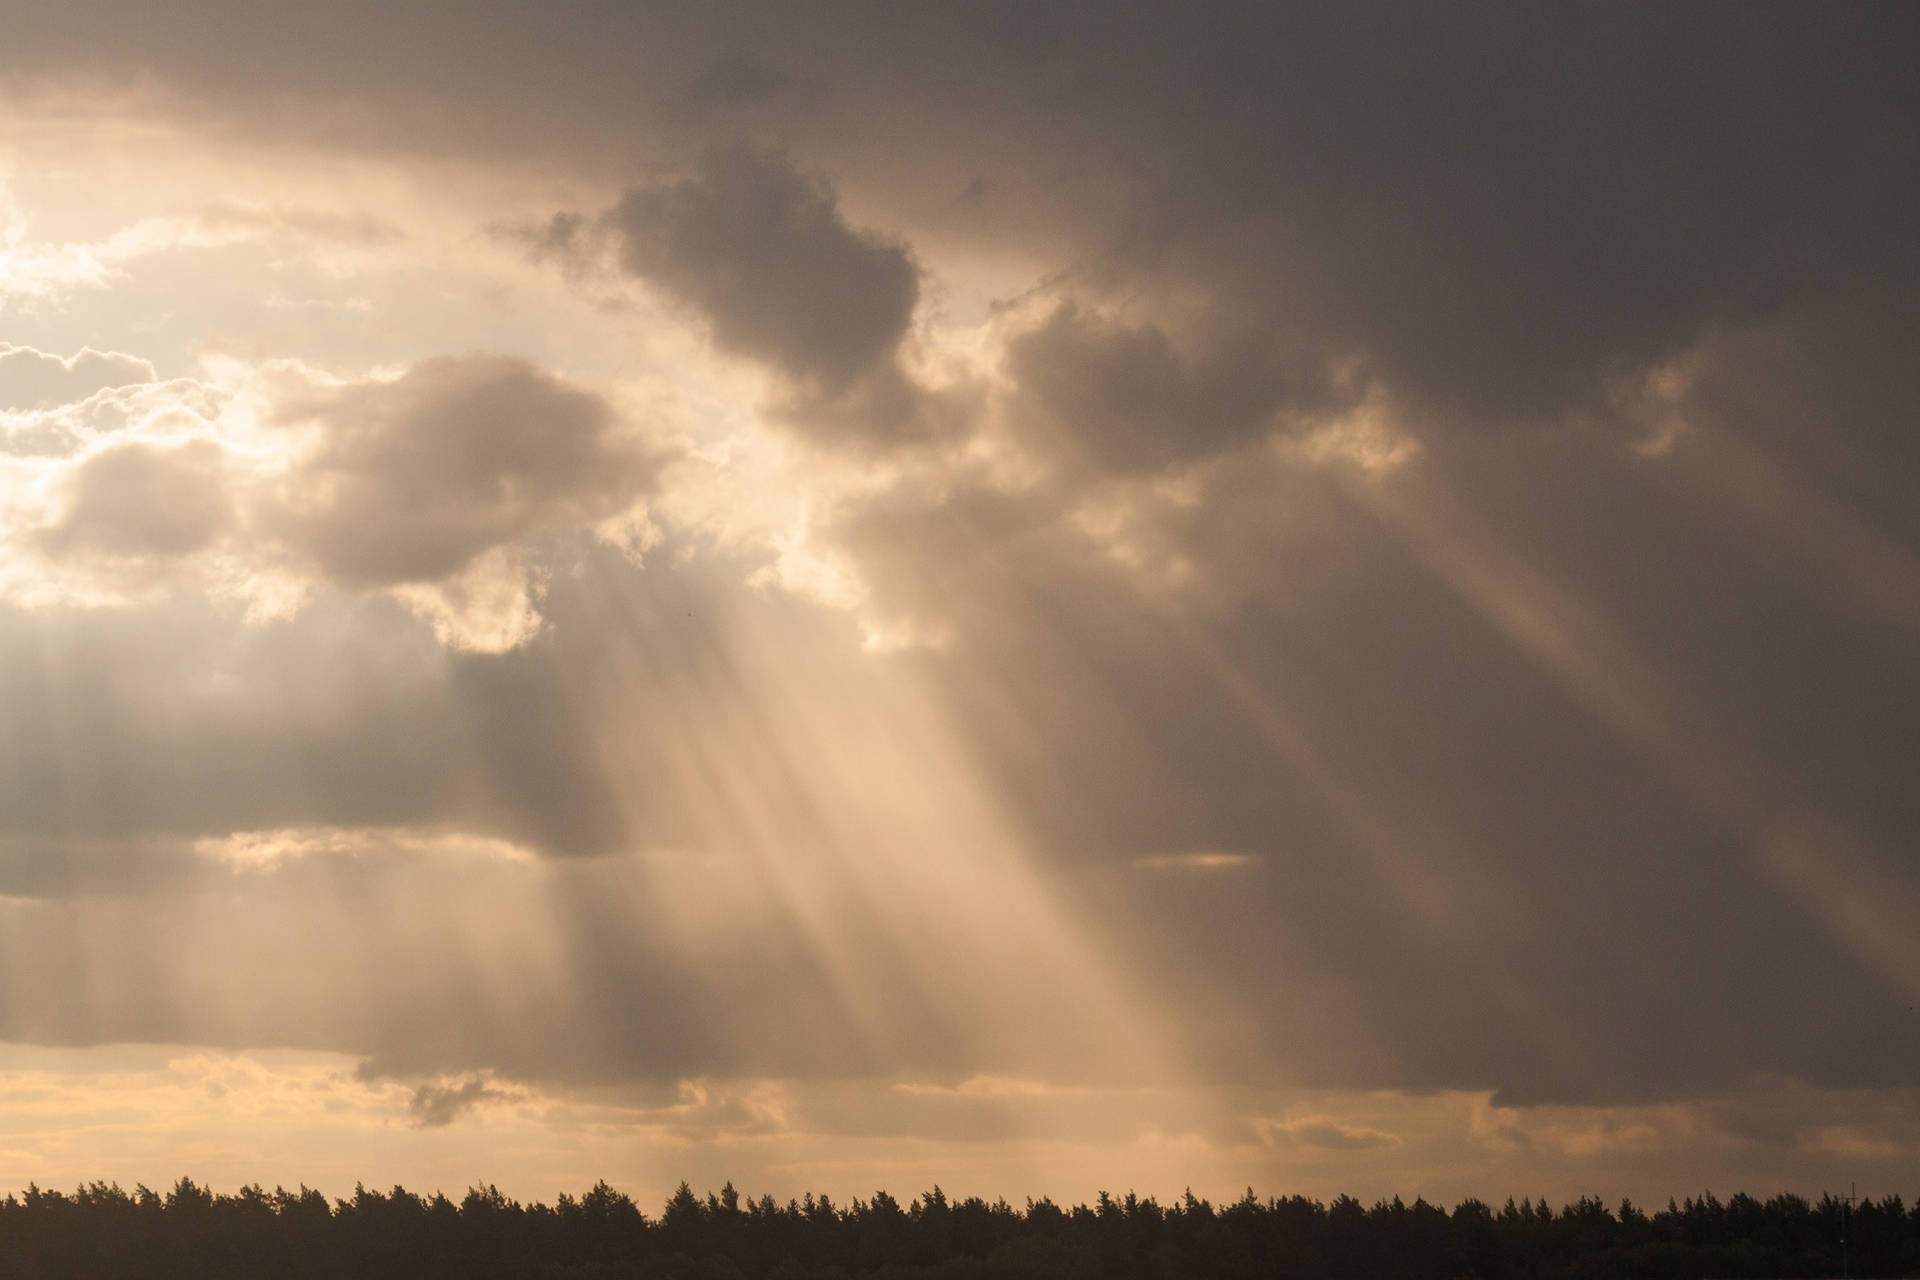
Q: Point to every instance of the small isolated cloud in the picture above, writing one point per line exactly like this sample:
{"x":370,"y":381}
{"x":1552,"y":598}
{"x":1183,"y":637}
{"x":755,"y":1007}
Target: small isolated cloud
{"x":984,"y":1086}
{"x":275,"y":847}
{"x":434,"y":1106}
{"x":1325,"y":1133}
{"x":761,"y":251}
{"x":32,"y":379}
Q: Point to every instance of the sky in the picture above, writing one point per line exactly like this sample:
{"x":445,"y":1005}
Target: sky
{"x":1032,"y":598}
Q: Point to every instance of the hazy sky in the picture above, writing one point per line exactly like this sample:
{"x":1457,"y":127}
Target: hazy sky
{"x":1042,"y":598}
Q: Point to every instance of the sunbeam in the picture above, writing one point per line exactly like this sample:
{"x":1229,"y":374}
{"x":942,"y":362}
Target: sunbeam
{"x":1030,"y":599}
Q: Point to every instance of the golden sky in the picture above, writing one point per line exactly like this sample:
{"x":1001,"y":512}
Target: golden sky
{"x":1038,"y":600}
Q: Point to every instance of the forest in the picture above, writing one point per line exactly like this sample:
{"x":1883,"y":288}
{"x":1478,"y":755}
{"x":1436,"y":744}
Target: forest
{"x":101,"y":1230}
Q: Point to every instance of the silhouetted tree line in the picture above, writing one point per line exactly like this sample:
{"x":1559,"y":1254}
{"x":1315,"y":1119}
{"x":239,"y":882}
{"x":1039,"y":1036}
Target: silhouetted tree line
{"x":101,"y":1230}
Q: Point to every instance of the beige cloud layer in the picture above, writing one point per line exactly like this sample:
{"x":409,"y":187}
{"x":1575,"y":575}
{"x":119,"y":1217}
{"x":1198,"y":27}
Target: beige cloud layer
{"x":271,"y":481}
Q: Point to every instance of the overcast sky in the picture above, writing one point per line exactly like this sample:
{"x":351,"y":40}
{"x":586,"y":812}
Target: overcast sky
{"x":1041,"y":598}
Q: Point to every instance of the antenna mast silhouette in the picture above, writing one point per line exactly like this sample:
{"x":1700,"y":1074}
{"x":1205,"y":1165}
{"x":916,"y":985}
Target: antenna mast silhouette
{"x":1846,"y":1212}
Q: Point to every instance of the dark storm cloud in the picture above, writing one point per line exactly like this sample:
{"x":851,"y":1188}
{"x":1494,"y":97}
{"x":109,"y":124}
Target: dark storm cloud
{"x":1551,"y":915}
{"x":293,"y":956}
{"x":1499,"y":210}
{"x":760,"y":252}
{"x":414,"y":478}
{"x":126,"y":727}
{"x":1462,"y":876}
{"x":117,"y":727}
{"x":1481,"y":855}
{"x":375,"y":771}
{"x":1133,"y":401}
{"x":1497,"y":843}
{"x":1826,"y":391}
{"x":163,"y":724}
{"x":735,"y":83}
{"x":1472,"y":177}
{"x":763,"y":254}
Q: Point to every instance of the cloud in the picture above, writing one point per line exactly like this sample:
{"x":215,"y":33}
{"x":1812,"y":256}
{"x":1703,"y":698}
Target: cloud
{"x":138,"y":500}
{"x":31,"y":379}
{"x":410,"y":480}
{"x":490,"y":606}
{"x":1326,"y":1133}
{"x":1497,"y":213}
{"x":736,"y":82}
{"x":1234,"y":545}
{"x":1422,"y":785}
{"x":1494,"y":219}
{"x":177,"y":408}
{"x":434,"y":1106}
{"x":1494,"y":246}
{"x":430,"y":487}
{"x":325,"y":226}
{"x":761,"y":251}
{"x":1131,"y":400}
